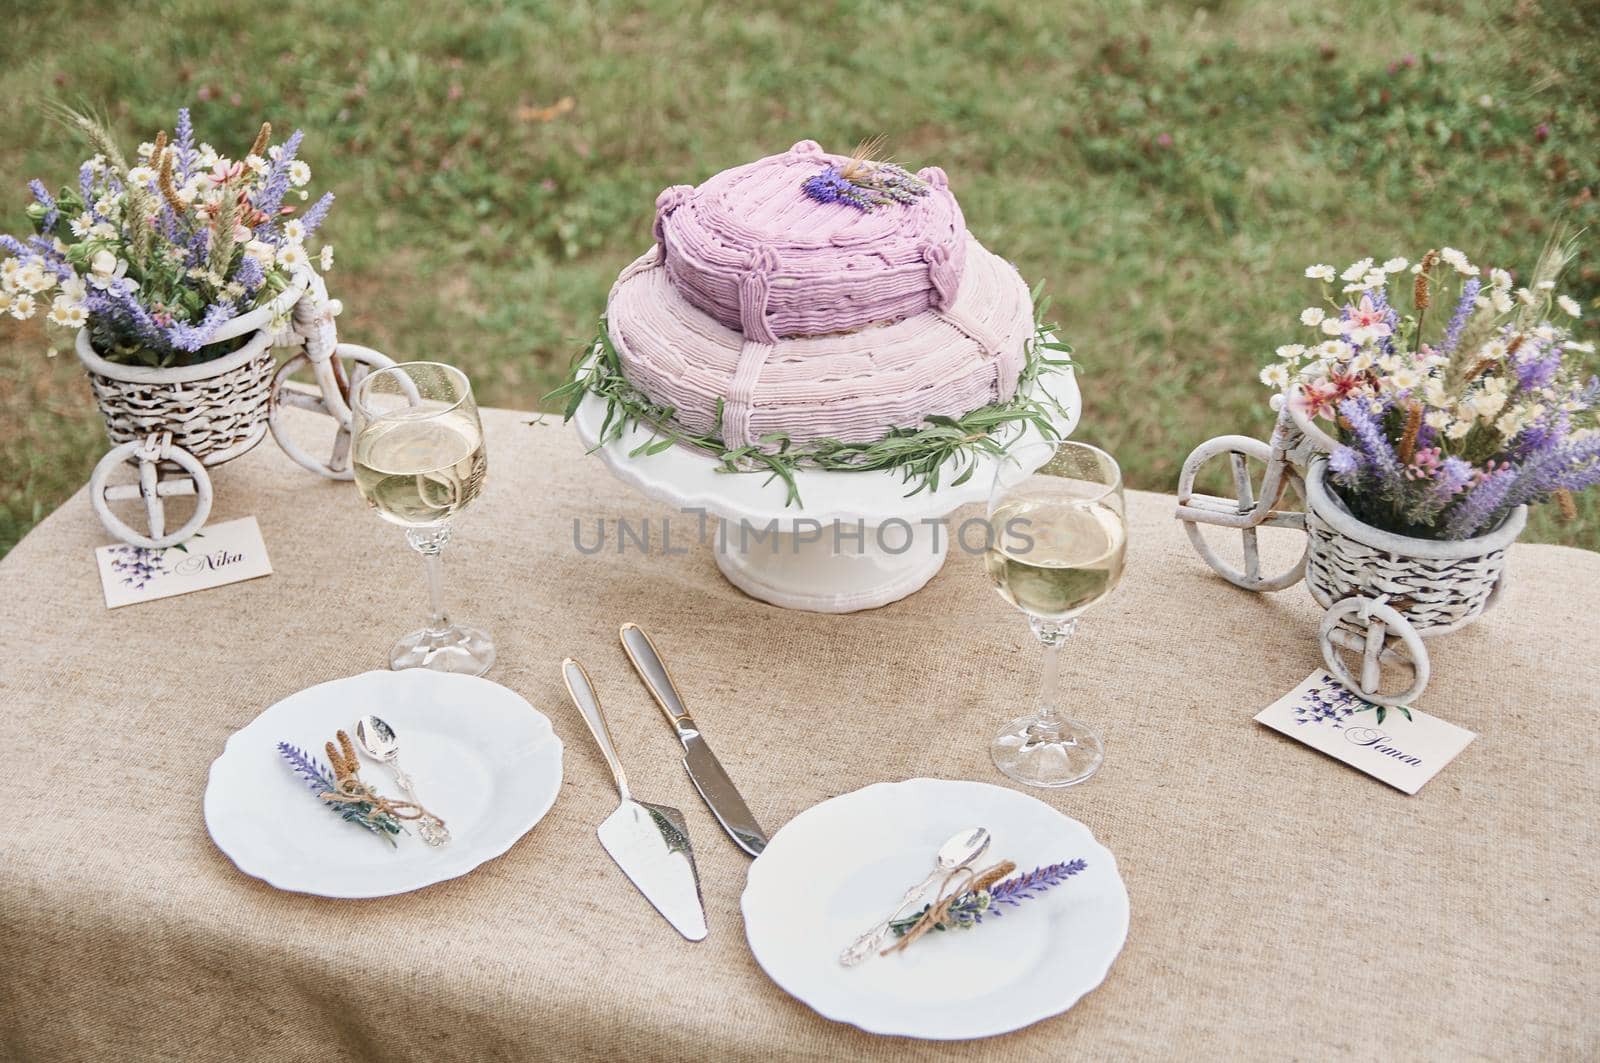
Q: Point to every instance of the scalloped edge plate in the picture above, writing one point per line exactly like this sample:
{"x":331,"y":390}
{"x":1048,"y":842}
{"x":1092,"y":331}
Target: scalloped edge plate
{"x":480,"y":755}
{"x":835,"y":868}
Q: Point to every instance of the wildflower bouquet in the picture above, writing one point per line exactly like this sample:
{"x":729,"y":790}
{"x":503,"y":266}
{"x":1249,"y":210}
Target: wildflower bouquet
{"x":1453,"y":400}
{"x":154,"y":259}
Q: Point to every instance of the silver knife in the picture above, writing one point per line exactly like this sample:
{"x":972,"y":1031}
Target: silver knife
{"x":649,"y":842}
{"x":705,"y":771}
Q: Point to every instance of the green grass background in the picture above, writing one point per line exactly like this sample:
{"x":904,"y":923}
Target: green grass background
{"x":1170,"y":168}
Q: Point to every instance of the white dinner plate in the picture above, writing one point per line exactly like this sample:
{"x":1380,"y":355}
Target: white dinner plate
{"x":836,"y":868}
{"x":480,"y":756}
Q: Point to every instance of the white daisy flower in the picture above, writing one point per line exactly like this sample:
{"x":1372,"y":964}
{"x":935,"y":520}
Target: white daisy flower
{"x":1458,"y":429}
{"x":103,"y":230}
{"x":325,"y":259}
{"x":141,"y":175}
{"x":1276,"y":376}
{"x":82,"y":224}
{"x":1486,"y":404}
{"x":1528,"y":297}
{"x":1404,"y":379}
{"x":23,"y":306}
{"x":9,"y":267}
{"x":1395,"y":265}
{"x":294,"y":231}
{"x":1331,"y":351}
{"x":74,"y":289}
{"x":34,"y":278}
{"x":1332,"y":326}
{"x":299,"y":173}
{"x":1438,"y":420}
{"x":1581,"y":348}
{"x":1544,"y":333}
{"x":1356,"y":269}
{"x":208,"y":155}
{"x":1320,"y":273}
{"x":261,"y":251}
{"x":1312,"y":316}
{"x":1501,"y":301}
{"x":1570,"y":305}
{"x":1458,"y":262}
{"x":256,"y":164}
{"x":293,"y":257}
{"x":1500,"y":279}
{"x":146,"y":150}
{"x":68,"y":315}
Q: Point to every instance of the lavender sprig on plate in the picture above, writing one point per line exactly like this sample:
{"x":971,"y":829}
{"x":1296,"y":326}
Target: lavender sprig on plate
{"x":969,"y":909}
{"x":319,"y":780}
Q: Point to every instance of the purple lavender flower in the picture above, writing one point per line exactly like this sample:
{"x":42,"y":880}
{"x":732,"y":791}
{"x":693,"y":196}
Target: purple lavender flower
{"x":1537,"y":369}
{"x":191,"y":337}
{"x":316,"y":775}
{"x":1380,"y":303}
{"x":1458,"y":321}
{"x":1345,"y":462}
{"x":1480,"y":505}
{"x":1013,"y":891}
{"x":276,"y":185}
{"x":249,"y":273}
{"x":830,"y":186}
{"x":86,"y":185}
{"x":184,"y":143}
{"x":52,"y":213}
{"x":1568,"y":466}
{"x":1377,"y":454}
{"x":312,"y":219}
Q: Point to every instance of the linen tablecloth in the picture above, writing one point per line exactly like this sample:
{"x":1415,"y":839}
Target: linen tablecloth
{"x":1283,"y":905}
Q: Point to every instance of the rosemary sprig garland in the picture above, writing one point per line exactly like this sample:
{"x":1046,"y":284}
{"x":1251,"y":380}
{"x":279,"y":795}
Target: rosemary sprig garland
{"x":918,"y":454}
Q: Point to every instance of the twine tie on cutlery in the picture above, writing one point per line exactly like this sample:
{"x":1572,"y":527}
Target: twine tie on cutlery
{"x":352,"y":790}
{"x":971,"y":882}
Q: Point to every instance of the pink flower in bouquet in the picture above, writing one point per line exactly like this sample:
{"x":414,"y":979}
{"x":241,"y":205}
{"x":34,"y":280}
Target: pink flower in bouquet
{"x":1315,"y":398}
{"x":1366,"y":322}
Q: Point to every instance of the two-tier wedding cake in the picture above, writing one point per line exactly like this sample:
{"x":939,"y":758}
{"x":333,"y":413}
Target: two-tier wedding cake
{"x":813,"y":296}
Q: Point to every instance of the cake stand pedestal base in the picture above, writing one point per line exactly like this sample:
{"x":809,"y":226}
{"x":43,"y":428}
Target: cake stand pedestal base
{"x":809,"y":570}
{"x":858,"y":541}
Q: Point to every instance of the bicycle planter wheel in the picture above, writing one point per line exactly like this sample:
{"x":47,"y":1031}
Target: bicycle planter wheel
{"x":1387,"y":592}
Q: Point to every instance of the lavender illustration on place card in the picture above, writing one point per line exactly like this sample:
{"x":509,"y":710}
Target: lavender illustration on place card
{"x":223,"y":553}
{"x":1403,"y":746}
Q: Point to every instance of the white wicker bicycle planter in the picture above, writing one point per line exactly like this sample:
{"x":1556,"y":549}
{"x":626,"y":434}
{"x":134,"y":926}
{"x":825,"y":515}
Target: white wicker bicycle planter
{"x":1384,"y":593}
{"x":173,"y":424}
{"x":1375,"y":584}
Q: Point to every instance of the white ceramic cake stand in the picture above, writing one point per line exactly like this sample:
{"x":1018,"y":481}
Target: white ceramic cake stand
{"x":809,"y":556}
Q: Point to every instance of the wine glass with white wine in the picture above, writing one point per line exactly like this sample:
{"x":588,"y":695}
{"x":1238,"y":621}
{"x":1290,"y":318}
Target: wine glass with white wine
{"x":419,"y":460}
{"x":1056,"y":545}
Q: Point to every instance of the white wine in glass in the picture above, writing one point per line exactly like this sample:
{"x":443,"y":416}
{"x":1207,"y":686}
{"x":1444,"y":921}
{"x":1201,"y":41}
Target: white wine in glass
{"x":1058,"y":537}
{"x":419,"y":460}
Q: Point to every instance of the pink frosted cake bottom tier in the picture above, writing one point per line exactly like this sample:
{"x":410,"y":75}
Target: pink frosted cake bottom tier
{"x":851,"y":386}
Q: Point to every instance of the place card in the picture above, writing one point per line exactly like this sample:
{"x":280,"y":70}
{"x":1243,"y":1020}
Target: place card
{"x":216,"y":555}
{"x":1400,"y":746}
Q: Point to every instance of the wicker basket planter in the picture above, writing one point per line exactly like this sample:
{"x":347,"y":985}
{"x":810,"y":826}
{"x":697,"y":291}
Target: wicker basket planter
{"x":215,"y":410}
{"x":1437,"y":585}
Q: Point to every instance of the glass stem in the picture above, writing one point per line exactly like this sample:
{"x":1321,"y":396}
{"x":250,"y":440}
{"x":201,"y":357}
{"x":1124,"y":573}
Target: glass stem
{"x":429,"y":542}
{"x":1052,"y":635}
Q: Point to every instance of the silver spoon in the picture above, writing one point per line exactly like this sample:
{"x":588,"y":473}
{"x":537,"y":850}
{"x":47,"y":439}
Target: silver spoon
{"x":380,"y":743}
{"x":962,"y":847}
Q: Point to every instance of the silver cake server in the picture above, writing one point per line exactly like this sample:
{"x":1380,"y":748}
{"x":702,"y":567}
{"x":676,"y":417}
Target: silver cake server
{"x":705,"y":771}
{"x":649,"y":842}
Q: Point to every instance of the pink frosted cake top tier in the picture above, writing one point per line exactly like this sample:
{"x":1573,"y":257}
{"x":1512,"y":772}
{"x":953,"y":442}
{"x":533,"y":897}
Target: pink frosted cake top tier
{"x":751,"y":249}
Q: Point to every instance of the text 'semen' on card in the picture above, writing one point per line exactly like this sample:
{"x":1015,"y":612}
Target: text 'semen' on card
{"x":216,"y":555}
{"x":1400,"y":746}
